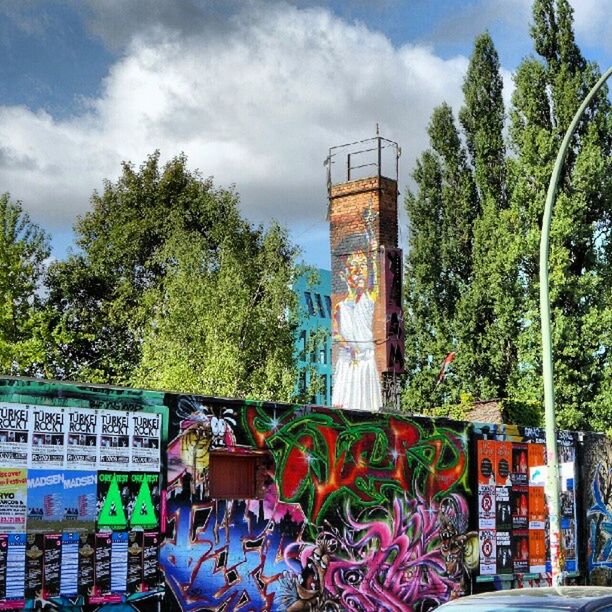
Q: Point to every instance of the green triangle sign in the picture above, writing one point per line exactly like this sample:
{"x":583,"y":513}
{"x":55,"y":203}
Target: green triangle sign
{"x":143,"y":514}
{"x":112,"y":513}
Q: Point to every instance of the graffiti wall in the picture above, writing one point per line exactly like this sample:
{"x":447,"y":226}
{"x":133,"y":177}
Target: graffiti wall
{"x":348,"y":511}
{"x":80,"y":494}
{"x":597,"y":495}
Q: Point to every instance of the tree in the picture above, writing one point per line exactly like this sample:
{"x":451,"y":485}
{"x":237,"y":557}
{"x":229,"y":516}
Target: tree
{"x":152,"y":234}
{"x":439,"y":265}
{"x":24,"y":247}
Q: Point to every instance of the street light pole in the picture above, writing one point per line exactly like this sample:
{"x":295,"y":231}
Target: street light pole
{"x":552,"y":481}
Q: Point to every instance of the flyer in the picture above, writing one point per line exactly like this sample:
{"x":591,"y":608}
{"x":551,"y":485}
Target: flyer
{"x":102,"y":570}
{"x":488,"y":565}
{"x":114,"y":445}
{"x":519,"y":498}
{"x":486,"y":507}
{"x":486,"y":461}
{"x":145,"y":439}
{"x":13,"y":500}
{"x":536,"y":456}
{"x":537,"y":508}
{"x":34,"y":550}
{"x":520,"y":466}
{"x":143,"y":507}
{"x":51,"y":564}
{"x":80,"y":500}
{"x":537,"y":551}
{"x":16,"y":568}
{"x":503,"y":462}
{"x":14,"y":435}
{"x":45,"y":501}
{"x":113,"y":500}
{"x":48,"y":437}
{"x":520,"y":545}
{"x":135,"y":562}
{"x":82,"y":445}
{"x":69,"y":583}
{"x":119,"y":561}
{"x":504,"y":552}
{"x":87,"y":542}
{"x":150,"y":555}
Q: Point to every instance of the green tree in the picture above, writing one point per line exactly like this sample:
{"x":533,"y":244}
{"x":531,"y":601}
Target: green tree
{"x":144,"y":241}
{"x":439,"y":265}
{"x":24,"y":247}
{"x":548,"y":91}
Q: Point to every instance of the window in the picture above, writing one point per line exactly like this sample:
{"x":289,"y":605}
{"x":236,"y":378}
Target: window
{"x":232,"y":476}
{"x":302,"y":345}
{"x":320,"y":305}
{"x":323,"y":356}
{"x":328,"y":305}
{"x":309,"y":303}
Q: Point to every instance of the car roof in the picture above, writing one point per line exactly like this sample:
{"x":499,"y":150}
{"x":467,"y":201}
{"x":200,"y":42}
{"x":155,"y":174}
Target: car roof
{"x":565,"y":597}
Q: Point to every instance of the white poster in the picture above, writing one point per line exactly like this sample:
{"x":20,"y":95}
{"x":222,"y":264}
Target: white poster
{"x":145,"y":436}
{"x":14,"y":435}
{"x":486,"y":506}
{"x":48,"y":437}
{"x":82,"y":447}
{"x":488,"y":557}
{"x":114,"y":445}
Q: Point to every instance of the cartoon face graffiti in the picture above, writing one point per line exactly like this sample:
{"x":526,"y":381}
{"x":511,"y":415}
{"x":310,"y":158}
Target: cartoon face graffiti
{"x":356,"y":271}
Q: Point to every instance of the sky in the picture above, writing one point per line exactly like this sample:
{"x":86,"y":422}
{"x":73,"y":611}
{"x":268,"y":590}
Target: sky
{"x":253,"y":92}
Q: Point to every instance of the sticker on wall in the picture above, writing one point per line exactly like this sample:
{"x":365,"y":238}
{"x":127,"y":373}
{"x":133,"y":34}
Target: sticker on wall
{"x":145,"y":442}
{"x":114,"y":445}
{"x":82,"y":443}
{"x":14,"y":435}
{"x":80,"y":490}
{"x":45,"y":501}
{"x":487,"y":552}
{"x":13,"y":500}
{"x":48,"y":437}
{"x":113,"y":497}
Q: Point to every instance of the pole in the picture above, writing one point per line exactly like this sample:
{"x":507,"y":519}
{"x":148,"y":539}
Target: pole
{"x":552,"y":481}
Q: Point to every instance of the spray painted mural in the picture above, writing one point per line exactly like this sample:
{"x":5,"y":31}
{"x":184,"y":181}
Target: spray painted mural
{"x":349,"y":512}
{"x":597,"y":474}
{"x":355,"y":263}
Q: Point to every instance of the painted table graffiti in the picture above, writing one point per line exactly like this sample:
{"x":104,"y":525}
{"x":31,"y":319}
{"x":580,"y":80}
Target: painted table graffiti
{"x":351,"y":511}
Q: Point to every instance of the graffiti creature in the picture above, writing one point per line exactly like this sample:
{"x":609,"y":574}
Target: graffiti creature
{"x":601,"y":523}
{"x":413,"y":557}
{"x":202,"y":429}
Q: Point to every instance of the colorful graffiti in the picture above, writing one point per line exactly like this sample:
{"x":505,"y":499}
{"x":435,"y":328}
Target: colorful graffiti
{"x":353,"y":512}
{"x":598,"y":504}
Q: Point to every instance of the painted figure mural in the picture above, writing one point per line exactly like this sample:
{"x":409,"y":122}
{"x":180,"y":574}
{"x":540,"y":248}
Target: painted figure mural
{"x":350,"y":512}
{"x":356,"y":377}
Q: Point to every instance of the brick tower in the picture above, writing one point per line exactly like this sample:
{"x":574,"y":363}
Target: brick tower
{"x":367,"y":322}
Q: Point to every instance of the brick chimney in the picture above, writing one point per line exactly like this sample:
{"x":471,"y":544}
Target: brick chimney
{"x":367,"y":348}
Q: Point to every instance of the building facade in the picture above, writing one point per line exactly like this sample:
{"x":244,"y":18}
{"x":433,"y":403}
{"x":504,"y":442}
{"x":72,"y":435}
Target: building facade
{"x":313,"y":337}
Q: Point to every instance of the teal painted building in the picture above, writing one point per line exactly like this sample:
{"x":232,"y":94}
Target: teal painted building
{"x":313,"y":337}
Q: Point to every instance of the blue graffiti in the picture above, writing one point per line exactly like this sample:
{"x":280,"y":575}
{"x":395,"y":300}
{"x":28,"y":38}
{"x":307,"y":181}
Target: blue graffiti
{"x":600,"y":549}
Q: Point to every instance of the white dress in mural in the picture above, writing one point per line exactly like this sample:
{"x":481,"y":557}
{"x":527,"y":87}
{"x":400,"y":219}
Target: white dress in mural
{"x":356,"y":378}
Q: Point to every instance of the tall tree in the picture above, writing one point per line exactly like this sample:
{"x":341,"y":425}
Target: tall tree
{"x":24,"y":247}
{"x":146,"y":232}
{"x":548,"y":93}
{"x":439,"y":263}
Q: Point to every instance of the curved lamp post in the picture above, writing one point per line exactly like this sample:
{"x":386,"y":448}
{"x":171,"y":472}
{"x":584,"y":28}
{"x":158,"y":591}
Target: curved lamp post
{"x":552,"y":482}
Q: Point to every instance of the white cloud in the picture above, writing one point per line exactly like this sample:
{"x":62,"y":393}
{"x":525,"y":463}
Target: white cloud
{"x":593,"y":21}
{"x":258,"y":107}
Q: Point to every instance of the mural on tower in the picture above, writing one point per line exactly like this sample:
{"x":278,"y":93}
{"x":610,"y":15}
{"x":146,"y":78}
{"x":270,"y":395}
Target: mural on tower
{"x":356,"y":377}
{"x":349,"y":512}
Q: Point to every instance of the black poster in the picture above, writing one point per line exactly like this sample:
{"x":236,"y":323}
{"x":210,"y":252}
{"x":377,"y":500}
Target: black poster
{"x":135,"y":568}
{"x":504,"y":553}
{"x":503,"y":509}
{"x":520,"y":551}
{"x":150,"y":555}
{"x":102,"y":568}
{"x":51,"y":565}
{"x":86,"y":563}
{"x":520,"y":507}
{"x":3,"y":551}
{"x":34,"y":565}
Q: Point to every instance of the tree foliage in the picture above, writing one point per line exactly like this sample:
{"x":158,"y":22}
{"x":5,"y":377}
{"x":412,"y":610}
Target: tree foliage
{"x":24,"y":247}
{"x":495,"y":326}
{"x":171,"y":287}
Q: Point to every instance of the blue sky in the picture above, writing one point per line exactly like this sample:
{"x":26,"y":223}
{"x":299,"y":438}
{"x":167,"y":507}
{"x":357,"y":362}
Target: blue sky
{"x":254,"y":92}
